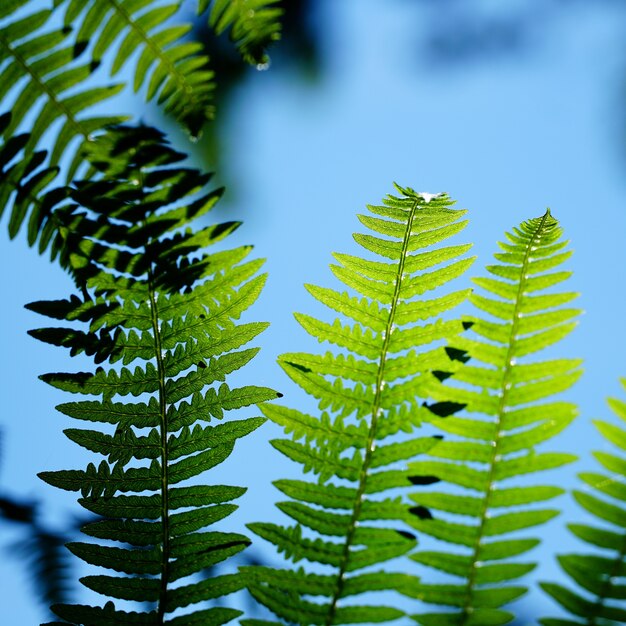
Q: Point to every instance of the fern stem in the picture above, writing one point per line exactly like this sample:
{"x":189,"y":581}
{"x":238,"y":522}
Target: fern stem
{"x":506,"y":385}
{"x":44,"y":88}
{"x":165,"y":551}
{"x":371,"y":437}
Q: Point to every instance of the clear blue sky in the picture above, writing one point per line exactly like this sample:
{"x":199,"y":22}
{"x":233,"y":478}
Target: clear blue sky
{"x":506,"y":135}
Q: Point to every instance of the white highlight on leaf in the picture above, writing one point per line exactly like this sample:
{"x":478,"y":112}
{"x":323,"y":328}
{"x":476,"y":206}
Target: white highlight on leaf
{"x":427,"y":197}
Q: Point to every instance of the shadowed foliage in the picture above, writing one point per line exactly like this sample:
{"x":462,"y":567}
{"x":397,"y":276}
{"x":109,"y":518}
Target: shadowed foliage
{"x":152,"y":297}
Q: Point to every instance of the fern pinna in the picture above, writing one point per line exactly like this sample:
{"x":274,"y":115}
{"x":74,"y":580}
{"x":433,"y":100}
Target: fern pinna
{"x":505,"y":391}
{"x":369,"y":391}
{"x":600,"y":575}
{"x":152,"y":298}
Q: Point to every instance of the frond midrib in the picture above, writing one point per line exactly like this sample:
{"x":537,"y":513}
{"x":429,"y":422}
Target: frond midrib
{"x":380,"y":375}
{"x":165,"y":534}
{"x":471,"y":582}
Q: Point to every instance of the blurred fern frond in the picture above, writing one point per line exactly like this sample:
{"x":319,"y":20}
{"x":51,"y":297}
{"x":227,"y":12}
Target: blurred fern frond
{"x":38,"y":60}
{"x":177,"y":75}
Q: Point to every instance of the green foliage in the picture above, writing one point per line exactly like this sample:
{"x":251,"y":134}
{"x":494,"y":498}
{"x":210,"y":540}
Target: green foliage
{"x":369,"y":391}
{"x":152,"y":297}
{"x":40,"y":60}
{"x":44,"y":65}
{"x":175,"y":71}
{"x":159,"y":317}
{"x":505,"y":393}
{"x":600,"y":574}
{"x":253,"y":24}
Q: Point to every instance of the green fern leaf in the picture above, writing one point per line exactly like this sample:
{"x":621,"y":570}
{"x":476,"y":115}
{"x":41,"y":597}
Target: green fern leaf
{"x":144,"y":301}
{"x":369,"y":391}
{"x":176,"y":73}
{"x":600,"y":597}
{"x":30,"y":51}
{"x":253,"y":24}
{"x":504,"y":394}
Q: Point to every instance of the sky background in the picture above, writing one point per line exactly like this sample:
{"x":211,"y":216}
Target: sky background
{"x":508,"y":121}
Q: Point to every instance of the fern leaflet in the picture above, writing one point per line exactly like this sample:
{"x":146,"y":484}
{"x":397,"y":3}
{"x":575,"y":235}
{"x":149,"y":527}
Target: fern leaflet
{"x":152,"y":298}
{"x":253,"y":24}
{"x":489,"y":451}
{"x":177,"y":75}
{"x":600,"y":574}
{"x":368,"y":393}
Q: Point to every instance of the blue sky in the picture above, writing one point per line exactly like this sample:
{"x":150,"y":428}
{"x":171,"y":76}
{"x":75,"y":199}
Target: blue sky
{"x":506,"y":136}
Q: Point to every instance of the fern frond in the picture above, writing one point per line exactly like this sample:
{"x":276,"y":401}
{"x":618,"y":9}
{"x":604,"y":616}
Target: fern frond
{"x":153,"y":299}
{"x":39,"y":60}
{"x":599,"y":574}
{"x":504,"y":392}
{"x":369,"y":392}
{"x":253,"y":24}
{"x":176,"y":73}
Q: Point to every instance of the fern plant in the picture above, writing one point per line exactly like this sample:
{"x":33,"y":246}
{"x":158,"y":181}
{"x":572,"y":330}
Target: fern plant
{"x":600,"y":575}
{"x":368,"y":391}
{"x":504,"y":391}
{"x":151,"y":297}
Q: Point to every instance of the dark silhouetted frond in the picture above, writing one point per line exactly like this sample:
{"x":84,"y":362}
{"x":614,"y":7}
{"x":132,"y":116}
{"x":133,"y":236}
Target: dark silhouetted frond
{"x":369,"y":390}
{"x":175,"y":71}
{"x":253,"y":24}
{"x":504,"y":391}
{"x":159,"y":314}
{"x":23,"y":190}
{"x":600,"y":575}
